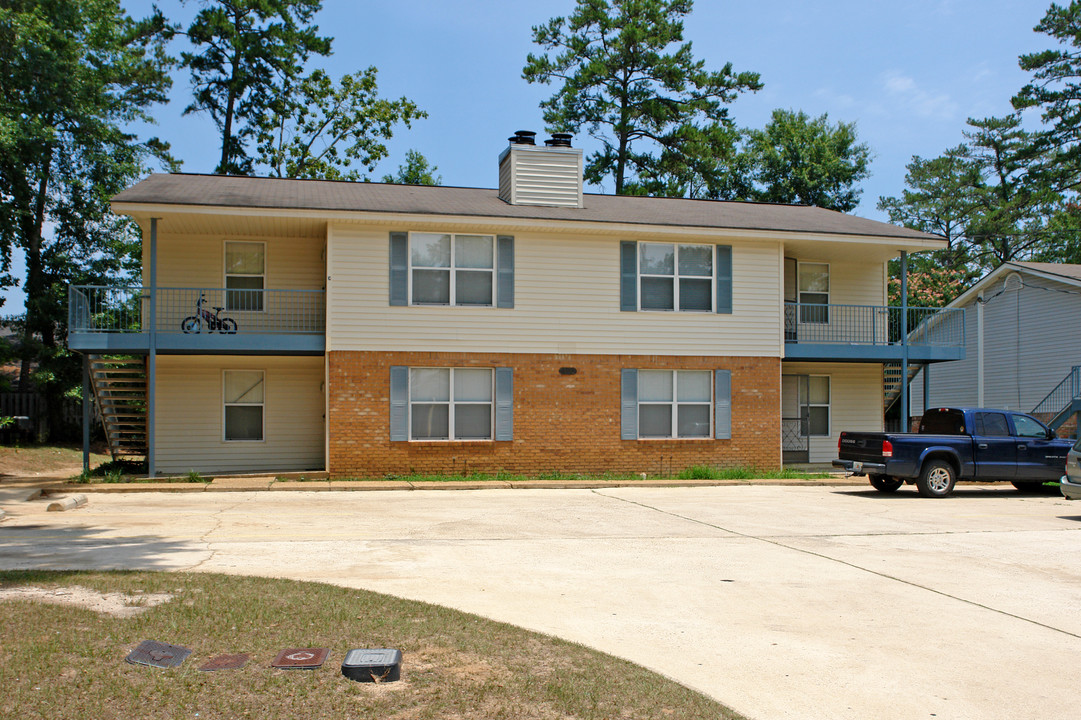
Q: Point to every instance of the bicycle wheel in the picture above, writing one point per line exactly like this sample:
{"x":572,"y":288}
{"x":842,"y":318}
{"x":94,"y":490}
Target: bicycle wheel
{"x":228,"y":326}
{"x":191,"y":324}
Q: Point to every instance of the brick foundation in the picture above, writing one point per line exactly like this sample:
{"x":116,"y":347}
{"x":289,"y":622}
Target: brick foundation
{"x":568,"y":423}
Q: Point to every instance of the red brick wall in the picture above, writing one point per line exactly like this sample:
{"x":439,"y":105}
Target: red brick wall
{"x":567,"y":423}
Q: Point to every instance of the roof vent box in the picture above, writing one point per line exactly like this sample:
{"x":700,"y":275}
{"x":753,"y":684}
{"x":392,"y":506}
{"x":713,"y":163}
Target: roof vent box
{"x":548,"y":175}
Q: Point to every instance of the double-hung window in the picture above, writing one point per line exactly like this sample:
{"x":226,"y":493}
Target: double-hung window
{"x":814,"y":292}
{"x":244,"y":395}
{"x":245,"y":275}
{"x":674,"y":403}
{"x":450,"y":269}
{"x":675,"y":277}
{"x":450,"y":403}
{"x":818,"y":405}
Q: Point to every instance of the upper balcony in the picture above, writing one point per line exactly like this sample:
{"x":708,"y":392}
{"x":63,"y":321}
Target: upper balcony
{"x":872,"y":333}
{"x":197,"y":321}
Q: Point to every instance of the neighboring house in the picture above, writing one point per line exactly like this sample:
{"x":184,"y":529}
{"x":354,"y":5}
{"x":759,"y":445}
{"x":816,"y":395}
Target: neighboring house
{"x":388,"y":329}
{"x":1023,"y":347}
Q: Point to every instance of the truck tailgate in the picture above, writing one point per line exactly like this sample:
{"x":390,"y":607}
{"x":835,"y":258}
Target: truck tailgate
{"x":864,"y":447}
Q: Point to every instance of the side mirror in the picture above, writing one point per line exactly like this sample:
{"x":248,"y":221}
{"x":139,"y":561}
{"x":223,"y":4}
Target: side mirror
{"x":1051,"y":435}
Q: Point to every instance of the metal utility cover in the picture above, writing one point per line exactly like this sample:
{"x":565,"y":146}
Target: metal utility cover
{"x":373,"y":665}
{"x":158,"y":654}
{"x":300,"y":658}
{"x":226,"y":662}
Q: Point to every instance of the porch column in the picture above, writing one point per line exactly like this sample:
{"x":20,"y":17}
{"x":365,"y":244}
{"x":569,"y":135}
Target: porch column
{"x":152,"y":355}
{"x":904,"y":341}
{"x":926,"y":386}
{"x":86,"y":413}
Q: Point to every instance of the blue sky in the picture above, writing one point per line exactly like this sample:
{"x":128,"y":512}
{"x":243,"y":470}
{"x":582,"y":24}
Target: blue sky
{"x":907,"y":73}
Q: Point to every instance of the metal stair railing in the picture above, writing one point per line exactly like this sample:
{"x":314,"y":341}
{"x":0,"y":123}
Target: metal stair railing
{"x":1063,"y":401}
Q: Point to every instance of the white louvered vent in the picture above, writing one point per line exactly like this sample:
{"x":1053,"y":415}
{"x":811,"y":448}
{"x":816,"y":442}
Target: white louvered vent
{"x":547,"y":176}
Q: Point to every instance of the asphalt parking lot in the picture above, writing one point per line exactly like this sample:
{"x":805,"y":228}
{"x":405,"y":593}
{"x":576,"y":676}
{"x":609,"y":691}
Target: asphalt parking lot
{"x":781,"y":602}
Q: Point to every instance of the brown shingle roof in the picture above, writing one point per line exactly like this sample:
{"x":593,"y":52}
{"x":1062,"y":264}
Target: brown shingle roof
{"x":337,"y":196}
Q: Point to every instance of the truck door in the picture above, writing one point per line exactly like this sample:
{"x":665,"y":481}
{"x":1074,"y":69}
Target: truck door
{"x":1033,"y":448}
{"x":993,"y":447}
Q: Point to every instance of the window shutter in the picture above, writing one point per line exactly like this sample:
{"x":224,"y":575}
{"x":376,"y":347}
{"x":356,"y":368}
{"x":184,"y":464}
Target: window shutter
{"x":399,"y":268}
{"x":724,"y":279}
{"x":629,"y":405}
{"x":504,"y":403}
{"x":722,"y":404}
{"x":628,"y":277}
{"x":504,"y":263}
{"x":399,"y":403}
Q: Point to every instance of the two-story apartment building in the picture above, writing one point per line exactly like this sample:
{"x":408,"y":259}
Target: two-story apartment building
{"x":371,"y":329}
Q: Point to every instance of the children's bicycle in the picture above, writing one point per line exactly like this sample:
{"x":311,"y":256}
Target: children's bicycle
{"x":212,"y":320}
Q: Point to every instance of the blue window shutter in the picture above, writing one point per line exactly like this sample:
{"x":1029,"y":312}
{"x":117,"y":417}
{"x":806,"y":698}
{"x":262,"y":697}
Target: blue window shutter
{"x":399,"y":403}
{"x":724,"y":279}
{"x":628,"y":276}
{"x":504,"y":262}
{"x":399,"y":268}
{"x":722,"y":404}
{"x":629,"y":405}
{"x":504,"y":403}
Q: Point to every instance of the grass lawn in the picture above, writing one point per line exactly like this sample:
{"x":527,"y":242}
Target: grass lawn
{"x":59,"y":460}
{"x":68,"y":661}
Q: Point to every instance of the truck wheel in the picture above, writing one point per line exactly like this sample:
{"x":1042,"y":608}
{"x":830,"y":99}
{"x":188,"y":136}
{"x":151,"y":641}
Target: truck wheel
{"x":1026,"y":487}
{"x":885,"y":484}
{"x":937,"y":479}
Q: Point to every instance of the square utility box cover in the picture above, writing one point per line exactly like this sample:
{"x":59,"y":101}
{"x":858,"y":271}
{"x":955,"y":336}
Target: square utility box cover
{"x":373,"y":665}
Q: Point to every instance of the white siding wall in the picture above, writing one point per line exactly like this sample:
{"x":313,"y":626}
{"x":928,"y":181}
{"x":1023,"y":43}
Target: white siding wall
{"x":189,"y":415}
{"x":1029,"y":347}
{"x":855,"y":401}
{"x":198,"y":261}
{"x":566,"y":301}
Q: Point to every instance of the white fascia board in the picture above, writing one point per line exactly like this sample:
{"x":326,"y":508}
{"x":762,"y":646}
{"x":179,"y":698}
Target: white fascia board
{"x":144,"y":210}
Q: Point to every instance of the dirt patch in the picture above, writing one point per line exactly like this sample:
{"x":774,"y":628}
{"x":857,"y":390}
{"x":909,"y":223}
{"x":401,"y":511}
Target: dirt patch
{"x":115,"y":604}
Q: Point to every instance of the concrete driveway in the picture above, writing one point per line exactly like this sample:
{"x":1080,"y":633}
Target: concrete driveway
{"x":781,"y":602}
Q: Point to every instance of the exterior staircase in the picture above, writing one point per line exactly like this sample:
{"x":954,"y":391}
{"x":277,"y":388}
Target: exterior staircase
{"x":891,"y":381}
{"x":119,"y":385}
{"x":1063,"y":403}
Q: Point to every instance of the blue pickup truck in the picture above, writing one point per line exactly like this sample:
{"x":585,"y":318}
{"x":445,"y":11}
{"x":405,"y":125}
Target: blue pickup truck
{"x":957,"y":444}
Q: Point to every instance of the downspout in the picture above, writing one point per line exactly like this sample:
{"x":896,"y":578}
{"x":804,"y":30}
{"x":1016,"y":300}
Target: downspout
{"x":152,"y":355}
{"x":904,"y":342}
{"x":979,"y":350}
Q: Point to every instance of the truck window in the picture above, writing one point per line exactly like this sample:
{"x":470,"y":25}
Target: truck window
{"x":943,"y":422}
{"x":1028,"y":427}
{"x":991,"y":424}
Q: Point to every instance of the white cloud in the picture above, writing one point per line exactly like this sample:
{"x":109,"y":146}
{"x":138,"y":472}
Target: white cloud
{"x":903,"y":90}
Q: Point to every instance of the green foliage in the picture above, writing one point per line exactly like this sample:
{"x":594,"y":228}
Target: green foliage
{"x":316,"y":128}
{"x":74,"y":75}
{"x":803,"y":161}
{"x":415,"y":171}
{"x":244,"y":51}
{"x":1055,"y":90}
{"x":658,"y":113}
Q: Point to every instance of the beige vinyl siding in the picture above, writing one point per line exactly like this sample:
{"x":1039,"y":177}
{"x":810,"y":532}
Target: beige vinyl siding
{"x":566,"y":301}
{"x":198,"y":261}
{"x":855,"y":401}
{"x":189,"y":415}
{"x":854,"y":283}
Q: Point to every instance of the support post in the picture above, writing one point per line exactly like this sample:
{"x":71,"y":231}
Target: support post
{"x":904,"y":342}
{"x":152,"y":356}
{"x":926,"y":386}
{"x":86,"y":413}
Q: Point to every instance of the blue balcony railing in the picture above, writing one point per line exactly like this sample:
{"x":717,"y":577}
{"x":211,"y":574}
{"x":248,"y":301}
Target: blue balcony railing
{"x":124,"y":312}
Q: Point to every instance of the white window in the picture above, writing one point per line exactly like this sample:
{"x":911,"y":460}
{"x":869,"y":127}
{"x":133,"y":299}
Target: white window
{"x":675,"y":403}
{"x":245,"y":275}
{"x":817,"y":402}
{"x":243,"y":392}
{"x":450,"y":269}
{"x":450,"y":403}
{"x":675,"y":277}
{"x":814,"y":291}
